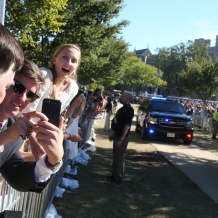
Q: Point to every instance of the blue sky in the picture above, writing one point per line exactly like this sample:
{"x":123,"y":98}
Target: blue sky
{"x":164,"y":23}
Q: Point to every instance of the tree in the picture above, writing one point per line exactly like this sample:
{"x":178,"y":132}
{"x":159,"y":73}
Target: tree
{"x":174,"y":60}
{"x":34,"y":24}
{"x":201,"y":78}
{"x":138,"y":74}
{"x":198,"y":51}
{"x":89,"y":25}
{"x":41,"y":26}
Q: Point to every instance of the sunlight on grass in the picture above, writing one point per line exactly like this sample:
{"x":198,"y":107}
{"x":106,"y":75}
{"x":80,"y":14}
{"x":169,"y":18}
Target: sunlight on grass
{"x":156,"y":195}
{"x":101,"y":200}
{"x":133,"y":207}
{"x":150,"y":190}
{"x":165,"y":209}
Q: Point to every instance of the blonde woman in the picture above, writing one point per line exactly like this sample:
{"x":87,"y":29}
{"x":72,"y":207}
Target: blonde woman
{"x":59,"y":83}
{"x":59,"y":77}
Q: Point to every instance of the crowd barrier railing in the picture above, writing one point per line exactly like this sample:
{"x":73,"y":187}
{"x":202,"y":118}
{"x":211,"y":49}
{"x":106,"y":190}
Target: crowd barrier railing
{"x":86,"y":135}
{"x":36,"y":205}
{"x":203,"y":122}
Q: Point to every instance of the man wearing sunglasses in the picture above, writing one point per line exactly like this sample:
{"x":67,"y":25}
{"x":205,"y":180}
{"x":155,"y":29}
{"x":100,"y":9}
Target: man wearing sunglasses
{"x":22,"y":175}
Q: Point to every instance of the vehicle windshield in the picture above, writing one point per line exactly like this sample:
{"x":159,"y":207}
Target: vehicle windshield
{"x":166,"y":107}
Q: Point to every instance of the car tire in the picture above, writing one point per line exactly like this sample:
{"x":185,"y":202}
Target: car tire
{"x":137,"y":126}
{"x":144,"y":132}
{"x":187,"y":141}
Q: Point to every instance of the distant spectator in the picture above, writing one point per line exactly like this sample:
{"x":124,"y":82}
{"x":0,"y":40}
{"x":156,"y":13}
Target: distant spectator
{"x":108,"y":109}
{"x":115,"y":105}
{"x":215,"y":124}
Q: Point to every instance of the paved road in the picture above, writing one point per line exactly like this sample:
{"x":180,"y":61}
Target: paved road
{"x":200,"y":165}
{"x":199,"y":161}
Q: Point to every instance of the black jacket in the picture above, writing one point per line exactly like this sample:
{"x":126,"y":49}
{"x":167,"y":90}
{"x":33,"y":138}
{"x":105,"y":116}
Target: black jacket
{"x":16,"y":171}
{"x":123,"y":117}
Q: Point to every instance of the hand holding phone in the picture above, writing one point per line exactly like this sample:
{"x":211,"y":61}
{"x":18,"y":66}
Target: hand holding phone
{"x":52,"y":108}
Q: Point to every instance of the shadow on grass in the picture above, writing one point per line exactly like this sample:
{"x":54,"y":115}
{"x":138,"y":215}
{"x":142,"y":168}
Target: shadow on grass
{"x":151,"y":188}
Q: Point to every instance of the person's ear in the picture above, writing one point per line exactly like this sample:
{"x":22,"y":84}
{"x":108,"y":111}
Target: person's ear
{"x":54,"y":60}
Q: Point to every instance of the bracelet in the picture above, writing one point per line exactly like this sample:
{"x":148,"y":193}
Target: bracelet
{"x":51,"y":166}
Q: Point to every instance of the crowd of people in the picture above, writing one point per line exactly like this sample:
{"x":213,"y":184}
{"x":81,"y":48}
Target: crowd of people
{"x":24,"y":86}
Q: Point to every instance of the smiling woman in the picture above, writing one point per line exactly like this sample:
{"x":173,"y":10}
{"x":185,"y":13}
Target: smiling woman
{"x":59,"y":78}
{"x":60,"y":83}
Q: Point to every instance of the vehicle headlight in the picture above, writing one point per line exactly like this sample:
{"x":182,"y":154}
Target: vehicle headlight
{"x":152,"y":120}
{"x":190,"y":124}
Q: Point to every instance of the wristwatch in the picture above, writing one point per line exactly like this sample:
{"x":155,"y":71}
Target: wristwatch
{"x":52,"y":167}
{"x":121,"y":139}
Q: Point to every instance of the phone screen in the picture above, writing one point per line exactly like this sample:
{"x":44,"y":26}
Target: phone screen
{"x":51,"y":108}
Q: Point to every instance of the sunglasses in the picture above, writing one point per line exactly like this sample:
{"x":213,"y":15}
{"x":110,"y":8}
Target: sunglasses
{"x":19,"y":88}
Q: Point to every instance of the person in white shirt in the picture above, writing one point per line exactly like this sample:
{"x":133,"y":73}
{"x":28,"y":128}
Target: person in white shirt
{"x":20,"y":174}
{"x":59,"y":84}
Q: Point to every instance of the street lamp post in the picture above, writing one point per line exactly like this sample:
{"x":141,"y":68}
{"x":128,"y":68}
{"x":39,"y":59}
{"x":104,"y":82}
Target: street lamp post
{"x":158,"y":75}
{"x":2,"y":11}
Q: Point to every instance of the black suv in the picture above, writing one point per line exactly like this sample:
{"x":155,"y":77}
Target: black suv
{"x":163,"y":117}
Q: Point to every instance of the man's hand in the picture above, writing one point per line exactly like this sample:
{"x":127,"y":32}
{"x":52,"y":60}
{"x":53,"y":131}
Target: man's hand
{"x":118,"y":143}
{"x":50,"y":138}
{"x":23,"y":126}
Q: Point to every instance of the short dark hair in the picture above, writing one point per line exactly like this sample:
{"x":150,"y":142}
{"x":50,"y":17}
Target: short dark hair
{"x":31,"y":70}
{"x":10,"y":51}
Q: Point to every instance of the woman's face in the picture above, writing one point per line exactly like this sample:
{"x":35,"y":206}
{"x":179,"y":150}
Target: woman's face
{"x":66,"y":62}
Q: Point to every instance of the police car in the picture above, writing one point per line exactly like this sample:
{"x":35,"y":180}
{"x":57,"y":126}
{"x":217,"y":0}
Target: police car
{"x":164,"y":117}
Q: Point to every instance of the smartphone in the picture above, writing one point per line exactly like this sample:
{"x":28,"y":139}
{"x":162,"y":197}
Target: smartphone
{"x":52,"y":108}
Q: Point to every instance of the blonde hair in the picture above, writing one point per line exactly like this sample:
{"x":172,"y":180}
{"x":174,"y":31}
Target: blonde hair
{"x":54,"y":94}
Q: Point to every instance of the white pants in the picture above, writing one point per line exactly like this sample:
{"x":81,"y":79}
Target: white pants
{"x":73,"y":146}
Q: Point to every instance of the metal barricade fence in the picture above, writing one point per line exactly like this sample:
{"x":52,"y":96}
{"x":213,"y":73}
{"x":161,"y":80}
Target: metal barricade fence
{"x":203,"y":122}
{"x":36,"y":205}
{"x":86,"y":135}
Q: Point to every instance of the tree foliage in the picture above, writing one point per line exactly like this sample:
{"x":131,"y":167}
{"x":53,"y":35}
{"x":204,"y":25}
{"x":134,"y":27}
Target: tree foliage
{"x":138,"y":74}
{"x":41,"y":26}
{"x":201,"y":78}
{"x":174,"y":62}
{"x":34,"y":23}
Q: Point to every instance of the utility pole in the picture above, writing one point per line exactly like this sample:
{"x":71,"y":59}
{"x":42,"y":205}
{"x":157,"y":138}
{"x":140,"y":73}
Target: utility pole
{"x":158,"y":75}
{"x":2,"y":11}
